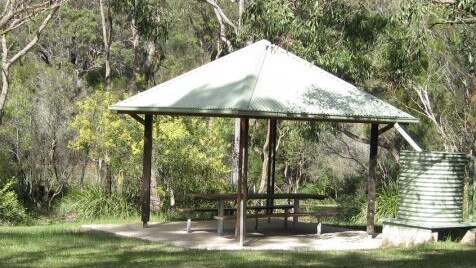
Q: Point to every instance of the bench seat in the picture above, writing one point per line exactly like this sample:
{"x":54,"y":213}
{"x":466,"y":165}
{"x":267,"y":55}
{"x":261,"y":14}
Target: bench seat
{"x":285,"y":215}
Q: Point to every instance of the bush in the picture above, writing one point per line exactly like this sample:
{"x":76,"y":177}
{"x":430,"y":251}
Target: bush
{"x":11,"y":211}
{"x":94,"y":202}
{"x":354,"y":206}
{"x":387,"y":201}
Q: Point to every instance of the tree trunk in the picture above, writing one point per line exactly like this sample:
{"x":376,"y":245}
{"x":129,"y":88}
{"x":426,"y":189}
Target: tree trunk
{"x":155,"y":202}
{"x":136,"y":67}
{"x":108,"y":178}
{"x":236,"y":149}
{"x":4,"y":93}
{"x":106,"y":22}
{"x":172,"y":198}
{"x":241,"y":9}
{"x":149,"y":68}
{"x":265,"y":167}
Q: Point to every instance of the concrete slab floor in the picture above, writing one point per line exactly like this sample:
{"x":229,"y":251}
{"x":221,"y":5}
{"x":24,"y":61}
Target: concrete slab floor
{"x":268,"y":236}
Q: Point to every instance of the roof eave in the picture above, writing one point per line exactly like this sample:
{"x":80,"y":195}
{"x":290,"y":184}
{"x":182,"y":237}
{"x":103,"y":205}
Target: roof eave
{"x":261,"y":114}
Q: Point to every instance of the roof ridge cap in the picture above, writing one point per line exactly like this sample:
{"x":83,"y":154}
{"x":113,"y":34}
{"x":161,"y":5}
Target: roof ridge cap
{"x":268,"y":45}
{"x":196,"y":69}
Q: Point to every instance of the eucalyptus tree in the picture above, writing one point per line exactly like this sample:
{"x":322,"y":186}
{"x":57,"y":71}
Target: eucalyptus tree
{"x":15,"y":15}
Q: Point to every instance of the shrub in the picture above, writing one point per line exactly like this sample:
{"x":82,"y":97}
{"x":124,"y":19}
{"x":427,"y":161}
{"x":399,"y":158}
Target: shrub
{"x":354,"y":206}
{"x":387,"y":201}
{"x":11,"y":211}
{"x":94,"y":202}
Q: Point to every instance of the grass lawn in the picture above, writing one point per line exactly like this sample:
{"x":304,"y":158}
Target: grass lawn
{"x":63,"y":245}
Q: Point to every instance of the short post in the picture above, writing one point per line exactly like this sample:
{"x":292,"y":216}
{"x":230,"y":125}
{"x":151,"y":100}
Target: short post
{"x":189,"y":224}
{"x":221,"y":210}
{"x":242,"y":222}
{"x":319,"y":228}
{"x":296,"y":210}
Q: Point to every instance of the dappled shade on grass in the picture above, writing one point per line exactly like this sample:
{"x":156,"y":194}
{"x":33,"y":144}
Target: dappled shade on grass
{"x":63,"y":245}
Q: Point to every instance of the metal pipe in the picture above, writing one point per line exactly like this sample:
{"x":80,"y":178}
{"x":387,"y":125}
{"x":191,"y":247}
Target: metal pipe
{"x":407,"y":137}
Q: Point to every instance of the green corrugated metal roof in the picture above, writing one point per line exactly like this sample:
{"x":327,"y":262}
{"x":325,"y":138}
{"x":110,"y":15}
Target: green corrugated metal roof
{"x":263,"y":80}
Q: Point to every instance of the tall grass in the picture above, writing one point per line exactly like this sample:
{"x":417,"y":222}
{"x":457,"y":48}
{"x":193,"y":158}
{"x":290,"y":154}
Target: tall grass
{"x":354,"y":207}
{"x":94,"y":202}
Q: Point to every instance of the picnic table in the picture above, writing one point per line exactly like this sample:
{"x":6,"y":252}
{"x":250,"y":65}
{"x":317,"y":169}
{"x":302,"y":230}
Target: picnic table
{"x":268,"y":208}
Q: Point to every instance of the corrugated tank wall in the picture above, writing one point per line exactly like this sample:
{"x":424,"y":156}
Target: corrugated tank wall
{"x":431,"y":187}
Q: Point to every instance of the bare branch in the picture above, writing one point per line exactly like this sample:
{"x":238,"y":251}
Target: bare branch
{"x":36,"y":37}
{"x":455,"y":21}
{"x":446,"y":2}
{"x":220,"y":12}
{"x":222,"y":32}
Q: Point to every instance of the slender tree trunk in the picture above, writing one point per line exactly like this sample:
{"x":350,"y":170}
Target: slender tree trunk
{"x":136,"y":67}
{"x":241,"y":9}
{"x":108,"y":178}
{"x":149,"y":64}
{"x":5,"y":75}
{"x":236,"y":149}
{"x":265,"y":166}
{"x":172,"y":198}
{"x":155,"y":202}
{"x":106,"y":23}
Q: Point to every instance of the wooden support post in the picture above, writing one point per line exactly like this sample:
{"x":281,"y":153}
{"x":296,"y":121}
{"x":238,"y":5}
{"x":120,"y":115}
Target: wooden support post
{"x":372,"y":178}
{"x":137,"y":118}
{"x":242,"y":181}
{"x":271,"y":165}
{"x":146,"y":169}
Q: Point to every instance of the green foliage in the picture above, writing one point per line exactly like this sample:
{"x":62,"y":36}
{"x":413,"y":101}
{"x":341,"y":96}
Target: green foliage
{"x":105,"y":135}
{"x":11,"y":210}
{"x":93,"y":202}
{"x":190,"y":155}
{"x":387,"y":201}
{"x":353,"y":208}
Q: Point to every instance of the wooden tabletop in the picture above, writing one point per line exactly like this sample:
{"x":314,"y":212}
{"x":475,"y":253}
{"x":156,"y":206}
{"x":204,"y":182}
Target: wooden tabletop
{"x":213,"y":196}
{"x":258,"y":196}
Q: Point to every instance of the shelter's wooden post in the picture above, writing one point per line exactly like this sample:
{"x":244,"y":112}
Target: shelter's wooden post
{"x":271,"y":163}
{"x":146,"y":165}
{"x":242,"y":181}
{"x":372,"y":178}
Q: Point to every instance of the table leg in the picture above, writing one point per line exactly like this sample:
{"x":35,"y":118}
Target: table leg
{"x":286,"y":212}
{"x":221,"y":210}
{"x":296,"y":210}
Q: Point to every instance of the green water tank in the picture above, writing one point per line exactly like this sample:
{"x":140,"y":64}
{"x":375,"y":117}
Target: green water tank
{"x":431,"y":187}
